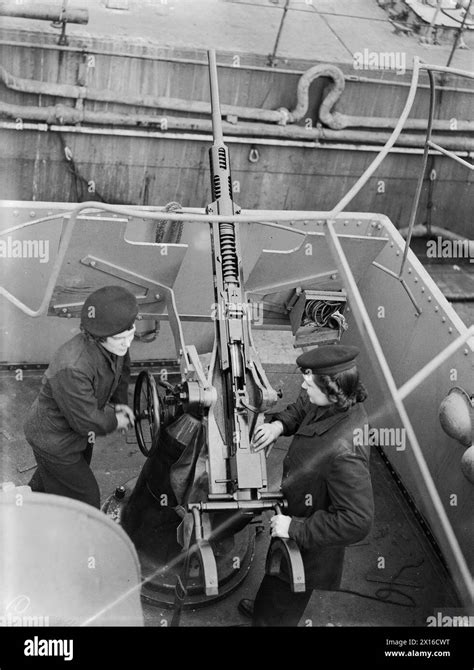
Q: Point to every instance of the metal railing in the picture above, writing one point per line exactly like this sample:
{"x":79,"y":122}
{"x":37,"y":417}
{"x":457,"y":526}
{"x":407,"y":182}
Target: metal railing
{"x":430,"y":144}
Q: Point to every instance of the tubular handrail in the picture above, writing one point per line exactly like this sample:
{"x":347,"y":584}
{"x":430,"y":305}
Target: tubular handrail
{"x":418,"y":64}
{"x":430,"y":144}
{"x":452,"y":155}
{"x":388,"y":145}
{"x":124,"y":211}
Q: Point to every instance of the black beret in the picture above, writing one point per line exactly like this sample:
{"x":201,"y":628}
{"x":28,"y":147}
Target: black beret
{"x":108,"y":311}
{"x":328,"y":359}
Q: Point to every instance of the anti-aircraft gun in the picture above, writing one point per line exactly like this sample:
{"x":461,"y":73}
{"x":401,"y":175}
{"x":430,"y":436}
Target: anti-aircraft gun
{"x":201,"y":463}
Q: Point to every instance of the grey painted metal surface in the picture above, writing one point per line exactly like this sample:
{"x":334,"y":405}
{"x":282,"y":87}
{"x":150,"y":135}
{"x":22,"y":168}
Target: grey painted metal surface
{"x":94,"y":567}
{"x":409,"y":339}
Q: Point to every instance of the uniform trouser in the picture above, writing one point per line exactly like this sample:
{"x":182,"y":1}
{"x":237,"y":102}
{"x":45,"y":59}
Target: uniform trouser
{"x":74,"y":480}
{"x":276,"y":605}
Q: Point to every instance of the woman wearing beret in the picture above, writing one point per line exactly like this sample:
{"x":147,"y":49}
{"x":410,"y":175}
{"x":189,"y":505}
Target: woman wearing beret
{"x":326,"y":480}
{"x":84,"y":393}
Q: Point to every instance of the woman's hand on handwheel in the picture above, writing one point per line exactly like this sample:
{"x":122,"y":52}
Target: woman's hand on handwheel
{"x":125,"y":417}
{"x":125,"y":409}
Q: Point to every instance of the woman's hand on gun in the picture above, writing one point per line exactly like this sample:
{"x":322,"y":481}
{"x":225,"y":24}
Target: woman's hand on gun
{"x":279,"y":525}
{"x":266,"y":434}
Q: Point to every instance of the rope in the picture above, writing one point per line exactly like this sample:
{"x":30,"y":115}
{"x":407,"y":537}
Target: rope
{"x":68,"y":157}
{"x":388,"y":590}
{"x":170,"y":231}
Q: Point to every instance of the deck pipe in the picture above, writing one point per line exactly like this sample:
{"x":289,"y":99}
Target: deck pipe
{"x":67,"y":115}
{"x":105,"y":95}
{"x":44,"y":12}
{"x":281,"y":116}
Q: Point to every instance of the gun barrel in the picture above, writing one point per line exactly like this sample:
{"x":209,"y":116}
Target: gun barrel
{"x":246,"y":468}
{"x":215,"y":105}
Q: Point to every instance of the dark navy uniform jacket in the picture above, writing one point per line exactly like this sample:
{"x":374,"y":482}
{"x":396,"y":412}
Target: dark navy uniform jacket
{"x":327,"y":484}
{"x":72,"y":405}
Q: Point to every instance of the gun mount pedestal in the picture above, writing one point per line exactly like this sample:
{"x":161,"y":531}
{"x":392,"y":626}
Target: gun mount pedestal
{"x":160,"y":573}
{"x":153,"y":527}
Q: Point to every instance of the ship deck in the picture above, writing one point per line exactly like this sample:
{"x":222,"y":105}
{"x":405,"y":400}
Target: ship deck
{"x":308,"y":30}
{"x":413,"y":574}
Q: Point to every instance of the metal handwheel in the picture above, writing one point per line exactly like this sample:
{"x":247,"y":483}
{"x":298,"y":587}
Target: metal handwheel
{"x":146,"y":406}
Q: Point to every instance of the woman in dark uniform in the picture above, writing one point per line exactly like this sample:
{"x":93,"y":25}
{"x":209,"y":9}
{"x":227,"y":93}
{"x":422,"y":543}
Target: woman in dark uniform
{"x":84,"y":393}
{"x":326,"y":480}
